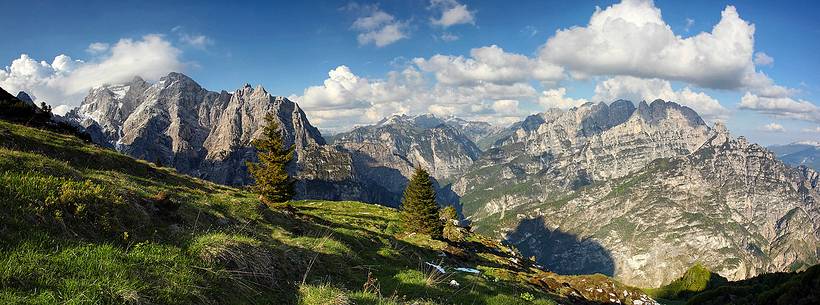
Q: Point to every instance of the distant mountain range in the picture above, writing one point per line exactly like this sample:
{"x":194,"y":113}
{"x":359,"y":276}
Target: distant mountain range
{"x":799,"y":153}
{"x":637,"y":191}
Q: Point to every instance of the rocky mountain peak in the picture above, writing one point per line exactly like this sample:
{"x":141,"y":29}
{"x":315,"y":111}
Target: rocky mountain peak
{"x":394,"y":119}
{"x":199,"y":132}
{"x":720,"y":134}
{"x":23,"y":96}
{"x":659,"y":110}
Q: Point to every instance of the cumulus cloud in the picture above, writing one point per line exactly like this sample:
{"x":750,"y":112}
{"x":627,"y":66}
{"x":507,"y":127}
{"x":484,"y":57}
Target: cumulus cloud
{"x":452,"y":13}
{"x":628,"y":45}
{"x":556,"y":98}
{"x":505,"y":106}
{"x":346,"y":99}
{"x":488,"y":64}
{"x":785,"y":107}
{"x":378,"y":27}
{"x":773,"y":127}
{"x":64,"y":80}
{"x":631,"y":38}
{"x":815,"y":129}
{"x":763,"y":59}
{"x":638,"y":89}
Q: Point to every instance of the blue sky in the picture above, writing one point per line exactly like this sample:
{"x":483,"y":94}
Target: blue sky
{"x":487,"y":60}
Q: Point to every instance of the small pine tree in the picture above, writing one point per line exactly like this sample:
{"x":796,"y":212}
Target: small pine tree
{"x":419,"y":212}
{"x":271,"y":179}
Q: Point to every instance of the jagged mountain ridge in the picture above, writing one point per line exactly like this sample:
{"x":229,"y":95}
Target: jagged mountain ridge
{"x":550,"y":188}
{"x":730,"y":205}
{"x":422,"y":140}
{"x":178,"y":123}
{"x":533,"y":167}
{"x":558,"y":151}
{"x":208,"y":135}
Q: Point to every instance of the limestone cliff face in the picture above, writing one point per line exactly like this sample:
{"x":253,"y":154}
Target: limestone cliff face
{"x":403,"y":142}
{"x":729,"y":204}
{"x":385,"y":154}
{"x":180,"y":124}
{"x":562,"y":150}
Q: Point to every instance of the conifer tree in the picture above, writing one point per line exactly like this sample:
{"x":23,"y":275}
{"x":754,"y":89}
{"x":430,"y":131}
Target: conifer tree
{"x":419,"y":212}
{"x":271,"y":179}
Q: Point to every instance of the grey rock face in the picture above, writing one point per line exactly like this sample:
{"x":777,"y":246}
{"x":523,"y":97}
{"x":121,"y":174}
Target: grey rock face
{"x":413,"y":141}
{"x":180,"y":124}
{"x":728,"y":204}
{"x":558,"y":151}
{"x":386,"y":154}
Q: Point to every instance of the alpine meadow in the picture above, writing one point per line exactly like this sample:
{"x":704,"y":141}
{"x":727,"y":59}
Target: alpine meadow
{"x":420,"y":152}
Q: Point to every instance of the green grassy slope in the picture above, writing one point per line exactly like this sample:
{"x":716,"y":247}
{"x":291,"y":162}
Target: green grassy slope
{"x":83,"y":225}
{"x":696,"y":279}
{"x":700,"y":286}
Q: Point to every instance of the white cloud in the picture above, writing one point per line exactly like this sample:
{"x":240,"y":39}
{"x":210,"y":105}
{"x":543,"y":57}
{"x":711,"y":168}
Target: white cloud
{"x":196,"y":41}
{"x":773,"y":127}
{"x":505,"y":106}
{"x":378,"y":28}
{"x":556,"y":98}
{"x":97,"y":47}
{"x":628,"y":44}
{"x":448,"y":37}
{"x":488,"y":64}
{"x":529,"y":30}
{"x":689,"y":23}
{"x":785,"y":107}
{"x":631,"y":38}
{"x":452,"y":13}
{"x":346,"y":99}
{"x":373,"y":21}
{"x":815,"y":129}
{"x":763,"y":59}
{"x":638,"y":89}
{"x":65,"y":81}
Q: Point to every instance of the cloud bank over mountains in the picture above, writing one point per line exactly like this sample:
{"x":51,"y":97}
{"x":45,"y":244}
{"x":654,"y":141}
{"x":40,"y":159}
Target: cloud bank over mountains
{"x":64,"y":81}
{"x":626,"y":50}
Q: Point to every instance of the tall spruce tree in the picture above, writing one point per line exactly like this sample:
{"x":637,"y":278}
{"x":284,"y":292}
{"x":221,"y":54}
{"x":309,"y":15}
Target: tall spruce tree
{"x":271,"y":179}
{"x":419,"y":212}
